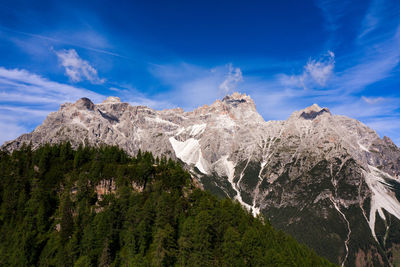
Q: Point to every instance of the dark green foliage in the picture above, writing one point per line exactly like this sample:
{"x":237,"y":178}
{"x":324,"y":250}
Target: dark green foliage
{"x":99,"y":207}
{"x":218,"y":186}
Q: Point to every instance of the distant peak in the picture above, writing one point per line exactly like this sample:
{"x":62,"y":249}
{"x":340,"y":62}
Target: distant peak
{"x":389,"y":141}
{"x":112,"y":99}
{"x":313,"y":107}
{"x":84,"y":103}
{"x":313,"y":111}
{"x":237,"y":98}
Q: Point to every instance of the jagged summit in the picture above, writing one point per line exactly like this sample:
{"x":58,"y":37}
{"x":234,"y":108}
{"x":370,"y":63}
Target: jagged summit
{"x":84,"y":103}
{"x":112,"y":99}
{"x":239,"y":100}
{"x":236,"y":96}
{"x":313,"y":111}
{"x":236,"y":106}
{"x":314,"y":107}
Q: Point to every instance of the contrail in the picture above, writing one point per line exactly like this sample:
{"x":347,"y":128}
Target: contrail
{"x":64,"y":42}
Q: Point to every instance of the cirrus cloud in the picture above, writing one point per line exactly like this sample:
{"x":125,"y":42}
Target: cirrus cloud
{"x":76,"y":68}
{"x":233,"y":77}
{"x":27,"y":98}
{"x":316,"y":73}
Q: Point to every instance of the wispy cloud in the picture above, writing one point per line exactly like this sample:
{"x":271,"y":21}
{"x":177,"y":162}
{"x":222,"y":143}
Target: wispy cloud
{"x":76,"y":68}
{"x":10,"y":130}
{"x":321,"y":70}
{"x":15,"y":83}
{"x":87,"y":40}
{"x":191,"y":86}
{"x":376,"y":62}
{"x":366,"y":108}
{"x":333,"y":11}
{"x":26,"y":99}
{"x":135,"y":97}
{"x":233,"y":77}
{"x":380,"y":19}
{"x":386,"y":126}
{"x":316,"y":73}
{"x":373,"y":100}
{"x":15,"y":120}
{"x":372,"y":18}
{"x":374,"y":44}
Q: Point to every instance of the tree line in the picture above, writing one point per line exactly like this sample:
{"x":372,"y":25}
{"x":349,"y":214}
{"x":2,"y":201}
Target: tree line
{"x":53,"y":214}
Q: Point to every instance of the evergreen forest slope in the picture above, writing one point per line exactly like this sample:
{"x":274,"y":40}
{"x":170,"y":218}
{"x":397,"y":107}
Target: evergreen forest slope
{"x":101,"y":207}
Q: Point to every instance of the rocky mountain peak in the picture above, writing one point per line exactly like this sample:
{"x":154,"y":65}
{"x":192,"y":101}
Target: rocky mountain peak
{"x":389,"y":142}
{"x":237,"y":98}
{"x":239,"y":102}
{"x":236,"y":106}
{"x":112,"y":99}
{"x":84,"y":103}
{"x":313,"y":111}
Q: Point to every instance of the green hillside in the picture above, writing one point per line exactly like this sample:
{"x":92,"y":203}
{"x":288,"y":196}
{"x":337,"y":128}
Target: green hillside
{"x":100,"y":207}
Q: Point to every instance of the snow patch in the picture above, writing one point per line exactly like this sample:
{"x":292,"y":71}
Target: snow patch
{"x":227,"y":168}
{"x":189,"y":151}
{"x":255,"y":210}
{"x":198,"y":129}
{"x":224,"y":167}
{"x":262,"y":166}
{"x":159,"y":120}
{"x":363,"y":147}
{"x":195,"y":130}
{"x":180,"y":130}
{"x":382,"y":197}
{"x":346,"y":242}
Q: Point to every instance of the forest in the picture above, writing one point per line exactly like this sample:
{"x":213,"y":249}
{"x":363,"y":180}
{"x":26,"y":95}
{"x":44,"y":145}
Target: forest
{"x":88,"y":206}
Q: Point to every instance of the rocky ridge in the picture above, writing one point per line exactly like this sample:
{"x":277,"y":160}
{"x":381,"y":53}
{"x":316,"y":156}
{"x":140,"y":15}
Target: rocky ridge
{"x":313,"y":175}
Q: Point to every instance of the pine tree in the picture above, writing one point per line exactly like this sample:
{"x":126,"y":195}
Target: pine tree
{"x":105,"y":257}
{"x":163,"y":248}
{"x":231,"y":248}
{"x":67,"y":221}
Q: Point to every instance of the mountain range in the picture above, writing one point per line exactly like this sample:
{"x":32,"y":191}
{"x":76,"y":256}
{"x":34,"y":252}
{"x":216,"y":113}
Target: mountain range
{"x":328,"y":180}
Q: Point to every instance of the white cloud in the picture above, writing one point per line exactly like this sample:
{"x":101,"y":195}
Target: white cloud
{"x":365,"y":108}
{"x":15,"y":120}
{"x":371,"y":19}
{"x":372,"y":100}
{"x":233,"y":77}
{"x":321,"y":70}
{"x":10,"y":130}
{"x":37,"y":44}
{"x":375,"y":63}
{"x":316,"y":73}
{"x":376,"y":46}
{"x":134,"y":97}
{"x":26,"y":99}
{"x":191,"y":86}
{"x":76,"y":68}
{"x":389,"y":126}
{"x":18,"y":85}
{"x":380,"y":19}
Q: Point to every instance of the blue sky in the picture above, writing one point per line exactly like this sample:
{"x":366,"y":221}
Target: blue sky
{"x":286,"y":54}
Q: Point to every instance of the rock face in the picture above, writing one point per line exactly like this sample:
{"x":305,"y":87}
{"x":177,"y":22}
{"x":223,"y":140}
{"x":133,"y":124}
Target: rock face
{"x":328,"y":180}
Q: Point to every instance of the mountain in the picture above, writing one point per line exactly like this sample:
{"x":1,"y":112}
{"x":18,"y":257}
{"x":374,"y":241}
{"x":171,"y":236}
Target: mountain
{"x":328,"y":180}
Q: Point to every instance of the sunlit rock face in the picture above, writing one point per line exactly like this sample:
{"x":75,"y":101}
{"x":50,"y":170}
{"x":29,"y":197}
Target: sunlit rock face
{"x":328,"y":180}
